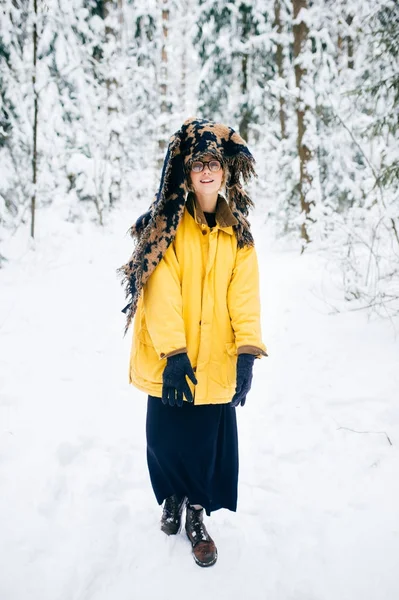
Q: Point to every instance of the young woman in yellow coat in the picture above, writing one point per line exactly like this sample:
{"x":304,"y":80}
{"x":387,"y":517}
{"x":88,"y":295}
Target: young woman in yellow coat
{"x":193,"y":283}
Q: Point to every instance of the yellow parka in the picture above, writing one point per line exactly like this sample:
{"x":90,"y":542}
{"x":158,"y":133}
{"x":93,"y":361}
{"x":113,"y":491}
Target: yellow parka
{"x":203,"y":299}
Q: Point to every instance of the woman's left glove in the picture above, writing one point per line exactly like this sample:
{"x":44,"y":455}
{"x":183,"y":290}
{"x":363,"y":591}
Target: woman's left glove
{"x":175,"y":383}
{"x":245,"y":364}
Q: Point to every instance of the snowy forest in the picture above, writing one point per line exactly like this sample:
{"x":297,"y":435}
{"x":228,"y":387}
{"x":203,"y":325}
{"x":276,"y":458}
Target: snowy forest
{"x":92,"y":90}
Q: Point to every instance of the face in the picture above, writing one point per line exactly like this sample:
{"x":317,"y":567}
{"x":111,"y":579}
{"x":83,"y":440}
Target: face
{"x":207,"y":181}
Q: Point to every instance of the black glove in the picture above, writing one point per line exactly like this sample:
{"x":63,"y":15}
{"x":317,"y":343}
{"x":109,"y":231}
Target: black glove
{"x":174,"y":380}
{"x":245,"y":364}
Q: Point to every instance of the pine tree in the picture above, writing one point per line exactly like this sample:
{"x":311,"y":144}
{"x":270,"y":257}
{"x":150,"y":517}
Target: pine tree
{"x":372,"y":266}
{"x":15,"y":131}
{"x":236,"y":62}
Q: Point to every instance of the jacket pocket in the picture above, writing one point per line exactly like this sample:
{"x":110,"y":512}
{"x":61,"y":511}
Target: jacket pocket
{"x":230,"y":361}
{"x":145,"y":361}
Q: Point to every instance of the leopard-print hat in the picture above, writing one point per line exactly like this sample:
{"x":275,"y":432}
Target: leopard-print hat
{"x":154,"y":231}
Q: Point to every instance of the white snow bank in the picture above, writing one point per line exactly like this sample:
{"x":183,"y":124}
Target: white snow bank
{"x":318,"y":497}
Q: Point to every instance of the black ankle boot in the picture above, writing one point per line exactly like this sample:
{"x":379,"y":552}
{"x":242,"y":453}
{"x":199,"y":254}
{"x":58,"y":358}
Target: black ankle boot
{"x":171,"y":515}
{"x":204,"y":550}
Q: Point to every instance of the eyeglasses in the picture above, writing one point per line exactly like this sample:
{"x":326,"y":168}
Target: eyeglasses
{"x":198,"y":165}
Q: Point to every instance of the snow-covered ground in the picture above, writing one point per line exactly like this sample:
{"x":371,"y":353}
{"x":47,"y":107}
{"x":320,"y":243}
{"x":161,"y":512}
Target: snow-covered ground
{"x":318,"y":515}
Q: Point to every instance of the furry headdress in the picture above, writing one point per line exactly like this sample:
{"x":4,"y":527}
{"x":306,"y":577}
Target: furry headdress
{"x":155,"y":230}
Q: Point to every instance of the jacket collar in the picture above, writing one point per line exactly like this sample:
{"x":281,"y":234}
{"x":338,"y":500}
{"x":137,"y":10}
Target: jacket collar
{"x":224,"y":216}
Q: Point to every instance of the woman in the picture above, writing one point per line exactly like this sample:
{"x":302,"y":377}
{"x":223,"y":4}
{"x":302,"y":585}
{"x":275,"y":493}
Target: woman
{"x":194,"y":292}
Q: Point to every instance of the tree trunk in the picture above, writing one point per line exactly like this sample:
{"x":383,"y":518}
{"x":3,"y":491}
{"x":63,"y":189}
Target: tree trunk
{"x":35,"y":115}
{"x":280,"y":69}
{"x":349,"y":42}
{"x":183,"y":79}
{"x":112,"y":15}
{"x":301,"y":31}
{"x":245,"y":109}
{"x":163,"y":134}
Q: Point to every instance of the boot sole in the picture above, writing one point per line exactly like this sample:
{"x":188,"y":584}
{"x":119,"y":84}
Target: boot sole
{"x":202,"y":564}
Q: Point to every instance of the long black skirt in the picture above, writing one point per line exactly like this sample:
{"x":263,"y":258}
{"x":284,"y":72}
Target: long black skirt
{"x":193,"y":451}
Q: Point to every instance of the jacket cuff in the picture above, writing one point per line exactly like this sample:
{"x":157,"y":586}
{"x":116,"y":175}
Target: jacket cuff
{"x":178,"y":351}
{"x":251,"y":350}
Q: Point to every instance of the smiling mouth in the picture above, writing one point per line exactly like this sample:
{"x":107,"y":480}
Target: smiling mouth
{"x":207,"y":181}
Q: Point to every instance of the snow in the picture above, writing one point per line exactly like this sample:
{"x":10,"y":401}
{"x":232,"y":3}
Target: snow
{"x":319,"y":436}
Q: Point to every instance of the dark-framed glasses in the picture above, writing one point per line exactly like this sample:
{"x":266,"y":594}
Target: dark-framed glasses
{"x":198,"y":165}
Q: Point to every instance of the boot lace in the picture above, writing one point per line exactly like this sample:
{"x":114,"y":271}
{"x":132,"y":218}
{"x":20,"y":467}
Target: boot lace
{"x":172,"y":509}
{"x":198,"y":529}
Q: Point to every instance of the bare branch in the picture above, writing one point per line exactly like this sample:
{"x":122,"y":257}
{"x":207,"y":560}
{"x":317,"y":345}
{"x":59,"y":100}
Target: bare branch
{"x":355,"y":431}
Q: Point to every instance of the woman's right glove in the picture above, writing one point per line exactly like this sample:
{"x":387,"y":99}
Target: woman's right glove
{"x":245,"y":365}
{"x":175,"y":384}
